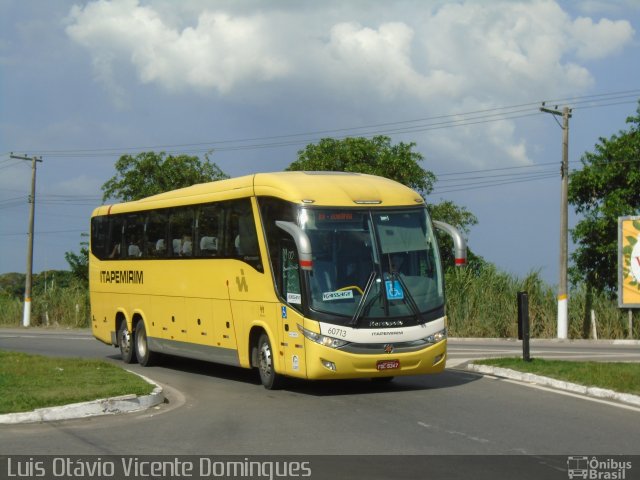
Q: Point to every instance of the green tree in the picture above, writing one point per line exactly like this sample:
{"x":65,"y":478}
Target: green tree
{"x":459,"y":217}
{"x":143,"y":175}
{"x":12,"y":284}
{"x":377,"y":156}
{"x":463,"y":220}
{"x":607,"y":187}
{"x":79,"y":262}
{"x":150,"y":173}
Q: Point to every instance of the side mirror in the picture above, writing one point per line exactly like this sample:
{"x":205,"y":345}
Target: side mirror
{"x":302,"y":243}
{"x":459,"y":243}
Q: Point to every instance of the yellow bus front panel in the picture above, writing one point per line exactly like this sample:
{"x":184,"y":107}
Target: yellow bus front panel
{"x":324,"y":363}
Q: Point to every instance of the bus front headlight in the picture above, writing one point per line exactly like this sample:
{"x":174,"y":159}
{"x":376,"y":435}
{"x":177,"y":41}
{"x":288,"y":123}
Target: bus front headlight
{"x":324,"y":340}
{"x":437,"y":337}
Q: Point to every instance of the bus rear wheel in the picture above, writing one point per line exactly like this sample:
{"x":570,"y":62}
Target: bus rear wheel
{"x":268,"y":376}
{"x":125,"y":342}
{"x":145,"y":357}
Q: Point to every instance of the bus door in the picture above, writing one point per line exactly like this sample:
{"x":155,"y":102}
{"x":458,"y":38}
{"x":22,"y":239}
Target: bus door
{"x":292,"y":341}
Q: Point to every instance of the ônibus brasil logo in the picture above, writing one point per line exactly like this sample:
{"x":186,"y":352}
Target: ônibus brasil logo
{"x":597,"y":469}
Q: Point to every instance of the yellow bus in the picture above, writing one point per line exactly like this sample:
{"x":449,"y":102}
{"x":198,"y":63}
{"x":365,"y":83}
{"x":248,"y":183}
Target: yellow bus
{"x":314,"y":275}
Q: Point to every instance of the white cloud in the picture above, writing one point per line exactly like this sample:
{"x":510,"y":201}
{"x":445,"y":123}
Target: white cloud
{"x":449,"y":50}
{"x":443,"y":57}
{"x":598,"y":40}
{"x":382,"y":58}
{"x":381,"y":54}
{"x":503,"y":46}
{"x":218,"y":52}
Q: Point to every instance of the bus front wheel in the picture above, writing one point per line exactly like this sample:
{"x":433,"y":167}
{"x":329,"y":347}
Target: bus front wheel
{"x":125,"y":341}
{"x":268,"y":376}
{"x":145,"y":357}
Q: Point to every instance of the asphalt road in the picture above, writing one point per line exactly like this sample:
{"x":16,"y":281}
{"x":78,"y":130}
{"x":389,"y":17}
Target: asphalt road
{"x":225,"y":410}
{"x":464,"y":350}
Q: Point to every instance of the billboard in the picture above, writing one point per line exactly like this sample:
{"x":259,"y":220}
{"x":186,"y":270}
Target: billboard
{"x":629,"y":262}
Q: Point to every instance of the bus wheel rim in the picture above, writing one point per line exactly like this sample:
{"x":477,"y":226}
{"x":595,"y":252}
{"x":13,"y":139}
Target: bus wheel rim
{"x":125,"y":339}
{"x":265,"y":359}
{"x":142,"y":343}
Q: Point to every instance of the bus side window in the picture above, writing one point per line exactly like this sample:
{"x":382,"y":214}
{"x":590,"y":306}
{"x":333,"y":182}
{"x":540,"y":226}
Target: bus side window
{"x":134,"y":235}
{"x":115,"y":237}
{"x":208,"y":230}
{"x":181,"y":232}
{"x":271,"y":210}
{"x":156,"y":235}
{"x":100,"y":237}
{"x":242,"y":238}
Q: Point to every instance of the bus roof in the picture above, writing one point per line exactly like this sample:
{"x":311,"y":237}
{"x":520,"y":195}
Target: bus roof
{"x":336,"y":189}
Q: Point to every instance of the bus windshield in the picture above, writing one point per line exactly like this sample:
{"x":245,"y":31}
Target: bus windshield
{"x":373,"y":265}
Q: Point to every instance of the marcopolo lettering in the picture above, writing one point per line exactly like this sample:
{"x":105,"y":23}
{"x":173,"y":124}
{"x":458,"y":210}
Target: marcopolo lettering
{"x":121,"y":276}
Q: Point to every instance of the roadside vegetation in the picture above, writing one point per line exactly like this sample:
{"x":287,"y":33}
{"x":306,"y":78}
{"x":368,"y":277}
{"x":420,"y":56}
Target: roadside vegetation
{"x":58,"y":299}
{"x":481,"y":302}
{"x":481,"y":299}
{"x":618,"y":376}
{"x":33,"y":381}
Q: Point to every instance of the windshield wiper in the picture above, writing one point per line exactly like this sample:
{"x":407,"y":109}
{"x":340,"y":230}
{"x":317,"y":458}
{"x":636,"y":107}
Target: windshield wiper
{"x":362,"y":304}
{"x":410,"y":299}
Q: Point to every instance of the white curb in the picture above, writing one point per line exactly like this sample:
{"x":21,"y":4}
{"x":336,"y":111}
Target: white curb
{"x":103,"y":406}
{"x":596,"y":392}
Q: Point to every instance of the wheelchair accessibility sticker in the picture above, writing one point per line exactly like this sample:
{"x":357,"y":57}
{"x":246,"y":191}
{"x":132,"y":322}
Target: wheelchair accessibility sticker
{"x":394,"y":290}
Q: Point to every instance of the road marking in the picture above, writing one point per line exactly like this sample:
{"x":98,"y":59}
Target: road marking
{"x":454,"y":432}
{"x":563,"y":392}
{"x":481,"y":351}
{"x":549,"y":354}
{"x":46,"y":337}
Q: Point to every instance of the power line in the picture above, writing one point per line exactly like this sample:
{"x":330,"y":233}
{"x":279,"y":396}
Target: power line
{"x":43,"y":232}
{"x":584,"y":107}
{"x":423,"y":124}
{"x":491,"y":183}
{"x":22,"y":198}
{"x":494,"y":176}
{"x":9,"y":165}
{"x":377,"y":128}
{"x":536,"y":165}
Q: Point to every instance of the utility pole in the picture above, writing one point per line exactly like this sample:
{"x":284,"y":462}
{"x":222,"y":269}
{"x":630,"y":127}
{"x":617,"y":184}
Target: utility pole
{"x":563,"y":302}
{"x":26,"y":318}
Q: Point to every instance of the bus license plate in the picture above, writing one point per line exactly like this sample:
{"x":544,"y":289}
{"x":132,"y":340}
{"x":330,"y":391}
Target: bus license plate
{"x":388,"y":364}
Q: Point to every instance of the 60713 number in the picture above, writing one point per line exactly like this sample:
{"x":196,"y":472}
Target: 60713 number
{"x":337,"y":332}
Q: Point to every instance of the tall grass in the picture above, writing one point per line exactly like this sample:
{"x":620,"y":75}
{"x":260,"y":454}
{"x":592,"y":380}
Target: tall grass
{"x":10,"y":309}
{"x":56,"y":306}
{"x":483,"y":303}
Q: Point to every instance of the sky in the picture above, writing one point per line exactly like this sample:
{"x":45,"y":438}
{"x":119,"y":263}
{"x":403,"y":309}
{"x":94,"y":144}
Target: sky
{"x":83,"y":82}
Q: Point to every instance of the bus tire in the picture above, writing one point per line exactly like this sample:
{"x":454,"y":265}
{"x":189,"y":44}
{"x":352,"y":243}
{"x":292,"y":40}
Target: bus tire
{"x":145,"y":357}
{"x":268,"y":376}
{"x":125,"y":342}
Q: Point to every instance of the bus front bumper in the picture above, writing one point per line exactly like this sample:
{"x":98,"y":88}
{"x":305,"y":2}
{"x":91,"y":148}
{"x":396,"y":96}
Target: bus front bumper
{"x":329,"y":363}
